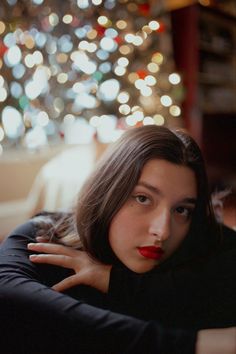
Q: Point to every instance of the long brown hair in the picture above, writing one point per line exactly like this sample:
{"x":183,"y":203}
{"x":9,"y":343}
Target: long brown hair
{"x":115,"y":177}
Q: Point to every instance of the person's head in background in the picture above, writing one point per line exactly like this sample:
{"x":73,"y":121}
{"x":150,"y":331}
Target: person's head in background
{"x":148,"y":194}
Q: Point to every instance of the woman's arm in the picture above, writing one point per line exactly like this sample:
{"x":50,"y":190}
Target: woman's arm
{"x":37,"y":319}
{"x":183,"y":297}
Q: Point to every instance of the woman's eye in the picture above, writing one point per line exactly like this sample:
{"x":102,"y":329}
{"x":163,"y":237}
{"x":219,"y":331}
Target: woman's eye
{"x":142,"y":199}
{"x":184,"y":212}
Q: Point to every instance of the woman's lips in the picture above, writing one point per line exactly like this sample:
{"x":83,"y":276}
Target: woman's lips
{"x":151,"y":252}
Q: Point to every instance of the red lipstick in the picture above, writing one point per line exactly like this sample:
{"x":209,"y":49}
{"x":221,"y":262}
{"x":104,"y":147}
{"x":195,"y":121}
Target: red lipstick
{"x":151,"y":252}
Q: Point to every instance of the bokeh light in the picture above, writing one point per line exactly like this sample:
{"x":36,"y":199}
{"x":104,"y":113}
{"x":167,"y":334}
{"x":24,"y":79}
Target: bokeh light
{"x":83,"y":66}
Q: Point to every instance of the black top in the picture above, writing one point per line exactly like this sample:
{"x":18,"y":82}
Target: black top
{"x":197,"y":295}
{"x":36,"y":319}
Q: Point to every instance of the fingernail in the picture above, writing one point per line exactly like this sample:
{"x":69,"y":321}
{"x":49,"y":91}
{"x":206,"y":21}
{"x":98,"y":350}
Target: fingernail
{"x":39,"y":238}
{"x":33,"y":256}
{"x":30,"y":245}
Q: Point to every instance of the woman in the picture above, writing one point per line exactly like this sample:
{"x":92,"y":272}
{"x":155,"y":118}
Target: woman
{"x":113,"y":202}
{"x":152,"y":187}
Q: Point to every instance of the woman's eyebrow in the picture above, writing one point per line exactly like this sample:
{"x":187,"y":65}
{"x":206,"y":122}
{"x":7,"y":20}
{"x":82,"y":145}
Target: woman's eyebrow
{"x":189,"y":200}
{"x":150,"y":187}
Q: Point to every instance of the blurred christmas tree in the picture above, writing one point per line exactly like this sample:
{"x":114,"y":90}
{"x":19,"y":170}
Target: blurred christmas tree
{"x":72,"y":68}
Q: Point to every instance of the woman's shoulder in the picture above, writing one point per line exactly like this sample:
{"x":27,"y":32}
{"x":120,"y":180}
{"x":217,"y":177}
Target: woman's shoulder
{"x":38,"y":225}
{"x":28,"y":228}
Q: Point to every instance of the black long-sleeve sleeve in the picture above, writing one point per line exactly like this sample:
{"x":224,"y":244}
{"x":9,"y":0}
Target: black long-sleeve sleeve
{"x":36,"y":319}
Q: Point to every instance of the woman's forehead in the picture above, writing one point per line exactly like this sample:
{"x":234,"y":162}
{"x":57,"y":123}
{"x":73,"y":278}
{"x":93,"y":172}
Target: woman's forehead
{"x":165,"y":175}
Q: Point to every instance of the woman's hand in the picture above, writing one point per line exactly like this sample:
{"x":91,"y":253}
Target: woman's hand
{"x":87,"y":270}
{"x":216,"y":341}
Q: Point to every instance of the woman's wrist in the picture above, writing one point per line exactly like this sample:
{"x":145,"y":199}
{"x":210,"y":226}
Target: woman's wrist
{"x":101,"y":277}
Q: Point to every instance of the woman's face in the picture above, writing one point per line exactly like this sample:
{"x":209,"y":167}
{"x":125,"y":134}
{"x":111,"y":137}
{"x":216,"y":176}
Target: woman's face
{"x":156,"y":218}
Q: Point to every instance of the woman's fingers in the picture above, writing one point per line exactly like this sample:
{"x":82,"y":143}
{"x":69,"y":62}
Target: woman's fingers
{"x":42,"y":239}
{"x":58,"y":260}
{"x":68,"y":283}
{"x":55,"y":254}
{"x":52,"y":248}
{"x":87,"y":270}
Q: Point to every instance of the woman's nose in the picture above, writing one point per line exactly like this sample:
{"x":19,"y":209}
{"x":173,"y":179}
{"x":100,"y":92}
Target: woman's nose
{"x":160,"y":225}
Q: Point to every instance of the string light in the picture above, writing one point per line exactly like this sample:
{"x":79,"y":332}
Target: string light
{"x":2,"y":27}
{"x":59,"y":67}
{"x":174,"y":79}
{"x":2,"y":134}
{"x":159,"y":119}
{"x":154,"y":25}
